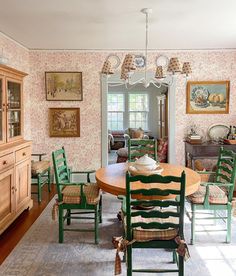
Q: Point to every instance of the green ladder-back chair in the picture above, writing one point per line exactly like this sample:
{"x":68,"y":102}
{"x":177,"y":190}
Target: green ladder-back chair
{"x":215,"y":196}
{"x":75,"y":196}
{"x":140,"y":147}
{"x":40,"y":174}
{"x":159,"y":227}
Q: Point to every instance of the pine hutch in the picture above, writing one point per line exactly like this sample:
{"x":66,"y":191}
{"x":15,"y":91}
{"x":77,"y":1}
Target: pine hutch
{"x":15,"y":152}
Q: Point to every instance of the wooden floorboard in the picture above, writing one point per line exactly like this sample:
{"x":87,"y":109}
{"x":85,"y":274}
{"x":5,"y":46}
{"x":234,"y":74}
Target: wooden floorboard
{"x":14,"y":233}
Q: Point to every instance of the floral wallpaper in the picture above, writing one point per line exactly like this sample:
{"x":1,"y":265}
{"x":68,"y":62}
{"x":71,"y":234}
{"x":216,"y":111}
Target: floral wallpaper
{"x":85,"y":152}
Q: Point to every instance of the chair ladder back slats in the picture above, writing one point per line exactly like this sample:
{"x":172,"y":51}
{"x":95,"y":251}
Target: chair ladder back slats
{"x":140,"y":147}
{"x":62,"y":168}
{"x":156,"y":191}
{"x":221,"y":176}
{"x":60,"y":161}
{"x":229,"y":162}
{"x":154,"y":178}
{"x":159,"y":203}
{"x":155,"y":225}
{"x":153,"y":214}
{"x":226,"y":169}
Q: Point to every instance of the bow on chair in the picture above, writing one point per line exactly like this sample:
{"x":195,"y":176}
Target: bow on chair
{"x":182,"y":249}
{"x":121,"y":245}
{"x":55,"y":209}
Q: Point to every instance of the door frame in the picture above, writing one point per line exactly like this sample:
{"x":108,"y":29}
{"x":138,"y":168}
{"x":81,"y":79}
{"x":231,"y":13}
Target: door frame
{"x":115,"y":79}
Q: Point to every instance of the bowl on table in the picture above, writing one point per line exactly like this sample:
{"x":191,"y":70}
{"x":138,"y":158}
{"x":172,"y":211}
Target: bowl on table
{"x":145,"y":163}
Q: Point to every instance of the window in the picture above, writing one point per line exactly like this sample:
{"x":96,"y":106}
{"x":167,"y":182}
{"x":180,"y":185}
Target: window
{"x":116,"y":111}
{"x":138,"y":111}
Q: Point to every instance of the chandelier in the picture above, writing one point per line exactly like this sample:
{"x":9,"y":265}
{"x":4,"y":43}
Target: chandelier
{"x":131,"y":62}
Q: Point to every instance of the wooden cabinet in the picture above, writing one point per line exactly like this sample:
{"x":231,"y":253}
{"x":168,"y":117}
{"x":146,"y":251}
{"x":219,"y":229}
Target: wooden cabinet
{"x":7,"y":198}
{"x":23,"y":191}
{"x":11,"y":104}
{"x":15,"y":153}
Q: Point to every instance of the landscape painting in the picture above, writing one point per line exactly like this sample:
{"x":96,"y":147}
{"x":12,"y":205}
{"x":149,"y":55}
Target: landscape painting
{"x":207,"y":97}
{"x":63,"y":86}
{"x":64,"y":122}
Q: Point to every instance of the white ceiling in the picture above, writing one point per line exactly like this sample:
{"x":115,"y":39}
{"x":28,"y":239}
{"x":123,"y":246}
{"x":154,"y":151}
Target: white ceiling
{"x":118,"y":24}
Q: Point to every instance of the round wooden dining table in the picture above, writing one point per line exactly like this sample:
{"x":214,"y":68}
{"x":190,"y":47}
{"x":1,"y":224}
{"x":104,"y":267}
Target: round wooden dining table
{"x":111,"y":178}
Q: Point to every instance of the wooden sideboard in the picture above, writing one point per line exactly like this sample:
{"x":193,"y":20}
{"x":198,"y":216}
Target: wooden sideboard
{"x":15,"y":181}
{"x":15,"y":152}
{"x":205,"y":150}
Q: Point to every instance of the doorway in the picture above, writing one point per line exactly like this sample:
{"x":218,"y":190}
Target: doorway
{"x":164,"y":125}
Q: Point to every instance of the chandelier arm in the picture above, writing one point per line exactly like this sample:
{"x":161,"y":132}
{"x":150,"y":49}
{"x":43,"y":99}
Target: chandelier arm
{"x":115,"y":84}
{"x":146,"y":47}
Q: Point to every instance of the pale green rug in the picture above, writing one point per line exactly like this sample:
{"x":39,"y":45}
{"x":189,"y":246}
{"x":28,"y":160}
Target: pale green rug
{"x":39,"y":254}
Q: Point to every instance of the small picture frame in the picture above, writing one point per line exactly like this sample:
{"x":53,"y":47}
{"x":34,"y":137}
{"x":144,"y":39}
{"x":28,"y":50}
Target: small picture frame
{"x":64,"y":122}
{"x":207,"y":97}
{"x":63,"y":86}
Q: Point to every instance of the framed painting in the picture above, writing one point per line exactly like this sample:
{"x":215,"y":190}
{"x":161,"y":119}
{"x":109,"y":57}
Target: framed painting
{"x":64,"y":122}
{"x":207,"y":97}
{"x":63,"y":86}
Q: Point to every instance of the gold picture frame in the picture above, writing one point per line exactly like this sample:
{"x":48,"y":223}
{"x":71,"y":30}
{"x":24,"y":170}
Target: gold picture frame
{"x":64,"y":122}
{"x":207,"y":97}
{"x":63,"y":86}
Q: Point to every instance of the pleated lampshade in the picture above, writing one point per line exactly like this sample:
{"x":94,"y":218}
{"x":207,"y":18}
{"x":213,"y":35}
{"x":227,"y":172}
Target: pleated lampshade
{"x":124,"y":74}
{"x":174,"y":65}
{"x":106,"y":68}
{"x":186,"y":69}
{"x":159,"y":73}
{"x":129,"y":63}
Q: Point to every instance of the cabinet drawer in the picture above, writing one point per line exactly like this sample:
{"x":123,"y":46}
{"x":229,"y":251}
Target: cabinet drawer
{"x":23,"y":154}
{"x":6,"y":161}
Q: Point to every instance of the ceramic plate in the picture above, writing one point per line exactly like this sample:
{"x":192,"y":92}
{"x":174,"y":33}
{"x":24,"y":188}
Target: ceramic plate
{"x":139,"y":61}
{"x":217,"y":131}
{"x":157,"y":170}
{"x":114,"y":60}
{"x":162,"y":61}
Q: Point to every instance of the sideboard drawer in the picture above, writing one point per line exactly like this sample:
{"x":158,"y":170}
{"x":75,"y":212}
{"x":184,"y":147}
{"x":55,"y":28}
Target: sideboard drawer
{"x":6,"y":161}
{"x":23,"y":154}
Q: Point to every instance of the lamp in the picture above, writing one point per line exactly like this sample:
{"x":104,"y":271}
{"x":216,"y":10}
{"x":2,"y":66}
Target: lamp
{"x":129,"y":65}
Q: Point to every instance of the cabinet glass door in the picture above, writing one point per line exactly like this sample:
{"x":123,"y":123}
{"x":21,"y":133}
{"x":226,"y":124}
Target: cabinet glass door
{"x":1,"y":112}
{"x":14,"y":104}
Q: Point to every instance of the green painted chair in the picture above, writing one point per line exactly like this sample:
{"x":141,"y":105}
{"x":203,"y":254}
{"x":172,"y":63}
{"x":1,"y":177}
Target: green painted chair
{"x":140,"y":147}
{"x":215,"y":196}
{"x":85,"y":197}
{"x":40,"y":174}
{"x":158,"y":228}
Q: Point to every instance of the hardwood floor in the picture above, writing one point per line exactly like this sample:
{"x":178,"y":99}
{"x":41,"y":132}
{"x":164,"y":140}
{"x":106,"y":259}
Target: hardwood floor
{"x":14,"y":233}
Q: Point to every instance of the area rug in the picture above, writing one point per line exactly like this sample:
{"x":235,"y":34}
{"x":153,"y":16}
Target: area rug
{"x":40,"y":254}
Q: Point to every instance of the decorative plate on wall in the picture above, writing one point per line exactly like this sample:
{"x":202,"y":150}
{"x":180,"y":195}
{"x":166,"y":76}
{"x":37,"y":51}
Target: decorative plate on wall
{"x":162,"y":61}
{"x":140,"y":61}
{"x":218,"y":131}
{"x":114,"y":60}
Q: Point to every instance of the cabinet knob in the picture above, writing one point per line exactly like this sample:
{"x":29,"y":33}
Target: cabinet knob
{"x":4,"y":162}
{"x":24,"y":154}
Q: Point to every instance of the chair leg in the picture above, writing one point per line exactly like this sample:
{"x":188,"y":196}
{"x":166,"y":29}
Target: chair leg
{"x":96,"y":223}
{"x":193,"y":224}
{"x":61,"y":231}
{"x":181,"y":266}
{"x":229,"y":217}
{"x":39,"y":181}
{"x":129,"y":260}
{"x":68,"y":220}
{"x":49,"y":179}
{"x":100,"y":210}
{"x":174,"y":257}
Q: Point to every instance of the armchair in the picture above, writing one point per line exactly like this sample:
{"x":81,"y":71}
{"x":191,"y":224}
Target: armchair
{"x":40,"y":174}
{"x":134,"y":133}
{"x":85,"y":197}
{"x":216,"y":195}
